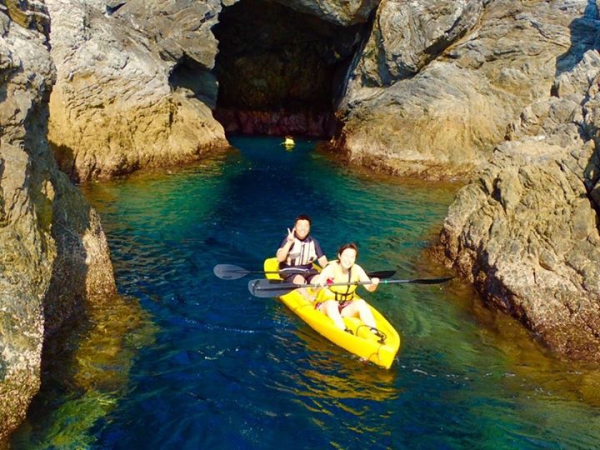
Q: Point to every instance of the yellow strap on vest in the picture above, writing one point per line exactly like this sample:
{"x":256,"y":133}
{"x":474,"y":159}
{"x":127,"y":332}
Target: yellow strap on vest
{"x":345,"y":293}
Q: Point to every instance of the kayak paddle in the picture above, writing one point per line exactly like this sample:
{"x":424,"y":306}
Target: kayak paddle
{"x":231,"y":272}
{"x":277,"y":288}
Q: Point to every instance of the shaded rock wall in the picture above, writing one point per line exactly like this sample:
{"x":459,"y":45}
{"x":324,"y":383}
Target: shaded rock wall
{"x":277,"y":69}
{"x":53,"y":253}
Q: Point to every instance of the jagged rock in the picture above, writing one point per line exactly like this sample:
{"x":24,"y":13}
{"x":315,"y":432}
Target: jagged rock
{"x":438,"y":88}
{"x":525,"y":229}
{"x":124,"y":98}
{"x":53,"y":253}
{"x":406,"y":37}
{"x":456,"y":81}
{"x":339,"y":13}
{"x":525,"y":233}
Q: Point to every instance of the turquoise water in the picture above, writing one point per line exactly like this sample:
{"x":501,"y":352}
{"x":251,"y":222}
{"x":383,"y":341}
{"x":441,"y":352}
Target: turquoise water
{"x":184,"y":360}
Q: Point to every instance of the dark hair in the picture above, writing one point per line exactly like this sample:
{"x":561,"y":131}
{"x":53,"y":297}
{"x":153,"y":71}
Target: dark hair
{"x":351,"y":245}
{"x":303,"y":217}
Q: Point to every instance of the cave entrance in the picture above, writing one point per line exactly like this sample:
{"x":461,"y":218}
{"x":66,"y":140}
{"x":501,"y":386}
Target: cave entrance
{"x":279,"y":71}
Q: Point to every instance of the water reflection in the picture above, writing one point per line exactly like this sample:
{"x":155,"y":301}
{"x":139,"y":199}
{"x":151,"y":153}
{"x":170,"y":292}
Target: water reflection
{"x":85,"y":374}
{"x":327,"y":371}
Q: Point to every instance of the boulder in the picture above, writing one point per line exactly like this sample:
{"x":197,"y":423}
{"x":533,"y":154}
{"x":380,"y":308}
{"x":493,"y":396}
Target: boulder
{"x":438,"y":83}
{"x":524,"y":230}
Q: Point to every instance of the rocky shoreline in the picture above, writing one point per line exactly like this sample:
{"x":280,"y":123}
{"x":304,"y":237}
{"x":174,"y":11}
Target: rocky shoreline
{"x":502,"y":95}
{"x":54,"y":258}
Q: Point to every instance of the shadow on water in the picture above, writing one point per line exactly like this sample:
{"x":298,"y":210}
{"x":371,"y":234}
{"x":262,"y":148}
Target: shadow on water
{"x":88,"y":328}
{"x":86,"y":372}
{"x":584,"y":36}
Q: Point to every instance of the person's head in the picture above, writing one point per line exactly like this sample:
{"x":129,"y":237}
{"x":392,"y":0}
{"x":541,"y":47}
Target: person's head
{"x":302,"y":226}
{"x":347,"y":255}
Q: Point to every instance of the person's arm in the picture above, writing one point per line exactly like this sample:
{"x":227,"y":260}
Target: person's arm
{"x":282,"y":252}
{"x":362,"y":276}
{"x":321,"y":258}
{"x":321,"y":279}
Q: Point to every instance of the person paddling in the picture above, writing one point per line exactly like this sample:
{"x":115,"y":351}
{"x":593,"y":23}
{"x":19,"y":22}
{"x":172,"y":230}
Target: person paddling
{"x":338,"y":302}
{"x":299,"y":250}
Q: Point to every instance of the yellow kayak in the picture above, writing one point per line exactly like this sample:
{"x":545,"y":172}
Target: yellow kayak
{"x":380,"y":350}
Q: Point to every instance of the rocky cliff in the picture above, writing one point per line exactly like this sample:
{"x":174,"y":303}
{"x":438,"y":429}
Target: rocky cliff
{"x":53,"y":253}
{"x":133,"y":87}
{"x":525,"y":229}
{"x":509,"y":91}
{"x":437,"y":83}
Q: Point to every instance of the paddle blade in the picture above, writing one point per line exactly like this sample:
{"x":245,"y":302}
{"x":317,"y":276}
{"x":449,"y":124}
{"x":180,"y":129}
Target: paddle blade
{"x":382,"y":274}
{"x":430,"y":280}
{"x":264,"y":288}
{"x":229,"y":272}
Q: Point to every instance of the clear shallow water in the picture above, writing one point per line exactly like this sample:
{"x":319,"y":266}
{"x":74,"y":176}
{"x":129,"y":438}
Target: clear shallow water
{"x":200,"y":363}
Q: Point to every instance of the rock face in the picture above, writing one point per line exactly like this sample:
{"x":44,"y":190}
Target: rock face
{"x":525,"y":229}
{"x":437,"y":83}
{"x":509,"y":90}
{"x":133,"y":86}
{"x":53,"y":253}
{"x":338,"y":13}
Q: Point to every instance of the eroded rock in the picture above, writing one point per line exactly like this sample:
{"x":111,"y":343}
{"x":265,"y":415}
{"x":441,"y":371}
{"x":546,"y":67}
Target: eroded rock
{"x":433,"y":98}
{"x":525,"y":229}
{"x":53,"y":252}
{"x":123,"y":99}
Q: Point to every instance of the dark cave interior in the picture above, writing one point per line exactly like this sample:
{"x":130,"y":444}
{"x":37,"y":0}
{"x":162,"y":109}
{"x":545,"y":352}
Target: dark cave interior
{"x":279,"y":71}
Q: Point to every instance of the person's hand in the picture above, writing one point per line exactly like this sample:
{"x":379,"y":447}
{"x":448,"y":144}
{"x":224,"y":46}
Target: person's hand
{"x":375,"y":281}
{"x":319,"y":282}
{"x":290,"y":237}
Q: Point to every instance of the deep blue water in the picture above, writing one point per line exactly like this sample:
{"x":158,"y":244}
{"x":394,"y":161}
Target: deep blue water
{"x":204,"y":365}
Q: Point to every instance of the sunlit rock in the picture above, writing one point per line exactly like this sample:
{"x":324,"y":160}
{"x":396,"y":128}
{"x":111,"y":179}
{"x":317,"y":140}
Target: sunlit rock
{"x":53,"y":252}
{"x":439,"y":82}
{"x":525,"y":229}
{"x":339,"y":13}
{"x":133,"y":86}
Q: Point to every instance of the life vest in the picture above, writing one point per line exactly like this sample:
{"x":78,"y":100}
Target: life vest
{"x":302,"y":253}
{"x":342,"y":293}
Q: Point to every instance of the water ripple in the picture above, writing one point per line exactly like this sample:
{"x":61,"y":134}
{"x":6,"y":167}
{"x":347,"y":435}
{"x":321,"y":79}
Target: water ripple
{"x":226,"y":370}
